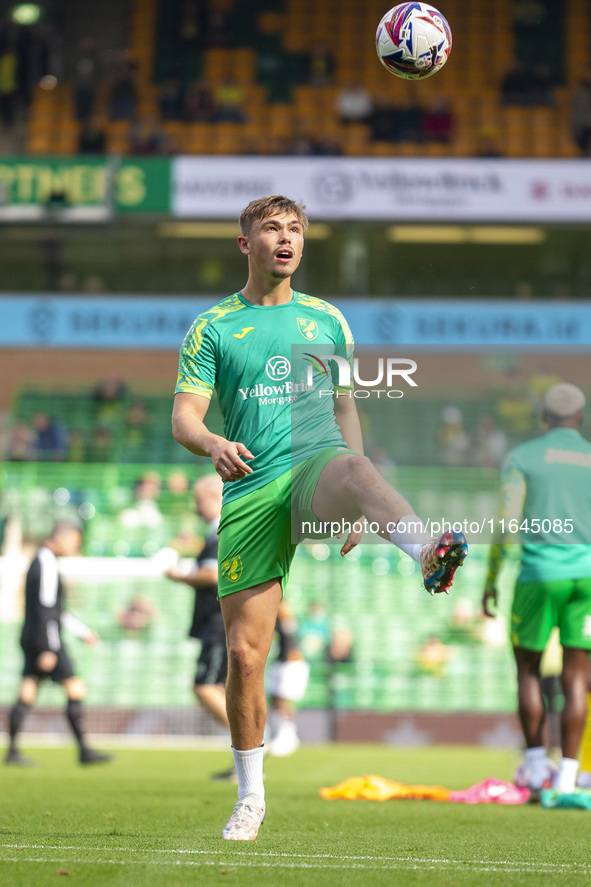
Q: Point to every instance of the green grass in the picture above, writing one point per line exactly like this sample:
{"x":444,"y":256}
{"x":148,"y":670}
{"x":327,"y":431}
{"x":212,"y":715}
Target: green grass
{"x":155,"y":818}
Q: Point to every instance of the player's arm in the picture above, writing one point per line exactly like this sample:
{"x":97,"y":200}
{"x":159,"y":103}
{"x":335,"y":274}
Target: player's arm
{"x":511,"y":500}
{"x":202,"y":576}
{"x":189,"y":429}
{"x":74,"y":625}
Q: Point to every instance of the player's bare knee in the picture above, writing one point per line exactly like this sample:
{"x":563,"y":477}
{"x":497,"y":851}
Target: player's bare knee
{"x":28,"y":691}
{"x":244,"y":659}
{"x":75,"y":688}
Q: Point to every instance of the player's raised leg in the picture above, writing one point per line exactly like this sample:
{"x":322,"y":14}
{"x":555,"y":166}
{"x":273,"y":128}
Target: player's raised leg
{"x":350,"y":486}
{"x":249,"y":618}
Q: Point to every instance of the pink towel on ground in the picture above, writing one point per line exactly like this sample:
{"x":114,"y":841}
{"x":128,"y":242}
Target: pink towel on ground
{"x":491,"y":791}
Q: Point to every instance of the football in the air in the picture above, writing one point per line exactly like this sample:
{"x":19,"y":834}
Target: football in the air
{"x":413,"y":40}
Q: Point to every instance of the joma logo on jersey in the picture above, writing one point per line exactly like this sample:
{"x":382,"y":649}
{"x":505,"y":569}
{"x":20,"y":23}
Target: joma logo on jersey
{"x":243,"y":332}
{"x":232,"y":569}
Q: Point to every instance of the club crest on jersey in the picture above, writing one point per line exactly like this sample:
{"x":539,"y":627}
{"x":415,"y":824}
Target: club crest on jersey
{"x":308,"y":328}
{"x":232,"y":569}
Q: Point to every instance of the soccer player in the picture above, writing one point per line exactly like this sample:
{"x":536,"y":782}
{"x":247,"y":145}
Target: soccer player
{"x":207,"y":624}
{"x":41,"y":641}
{"x":307,"y":458}
{"x":546,"y":488}
{"x":288,"y":680}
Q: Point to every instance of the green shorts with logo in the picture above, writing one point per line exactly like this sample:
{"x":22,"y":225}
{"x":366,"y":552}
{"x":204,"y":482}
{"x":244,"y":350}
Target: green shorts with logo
{"x":259,"y":532}
{"x":540,"y":606}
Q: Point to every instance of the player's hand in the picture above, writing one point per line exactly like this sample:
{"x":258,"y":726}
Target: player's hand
{"x":174,"y":573}
{"x":353,"y":539}
{"x":227,"y":460}
{"x":489,"y":602}
{"x":46,"y":661}
{"x":92,"y":639}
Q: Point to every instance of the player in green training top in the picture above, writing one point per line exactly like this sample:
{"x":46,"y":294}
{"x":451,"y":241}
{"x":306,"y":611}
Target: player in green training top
{"x":289,"y":455}
{"x":546,"y":490}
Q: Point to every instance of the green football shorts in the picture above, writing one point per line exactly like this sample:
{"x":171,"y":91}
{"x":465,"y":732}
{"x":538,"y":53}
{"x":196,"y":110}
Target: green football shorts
{"x":256,"y":542}
{"x":540,"y":606}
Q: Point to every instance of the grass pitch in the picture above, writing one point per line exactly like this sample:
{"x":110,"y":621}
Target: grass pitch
{"x":155,"y":818}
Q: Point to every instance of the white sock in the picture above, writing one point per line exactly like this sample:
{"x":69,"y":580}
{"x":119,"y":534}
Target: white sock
{"x":566,"y":777}
{"x":249,"y":768}
{"x":412,"y":537}
{"x":536,"y":760}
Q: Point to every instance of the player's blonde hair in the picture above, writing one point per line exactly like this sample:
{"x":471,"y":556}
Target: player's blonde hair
{"x":273,"y":204}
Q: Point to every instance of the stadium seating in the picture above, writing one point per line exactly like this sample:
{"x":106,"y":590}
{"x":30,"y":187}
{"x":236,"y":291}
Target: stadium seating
{"x":267,"y":57}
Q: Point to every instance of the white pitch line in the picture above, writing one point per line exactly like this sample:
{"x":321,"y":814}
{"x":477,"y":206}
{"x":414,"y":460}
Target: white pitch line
{"x":234,"y":863}
{"x":317,"y":860}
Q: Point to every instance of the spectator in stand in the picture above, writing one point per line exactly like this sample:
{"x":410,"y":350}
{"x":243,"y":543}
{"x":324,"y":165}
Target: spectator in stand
{"x":146,"y":137}
{"x":110,"y":397}
{"x":199,"y":105}
{"x":218,"y":30}
{"x":438,"y":122}
{"x":20,"y":445}
{"x":51,"y":438}
{"x":191,"y":24}
{"x":408,"y":121}
{"x":489,"y":444}
{"x":320,"y":65}
{"x":542,"y":85}
{"x":145,"y":511}
{"x":77,"y":446}
{"x":328,"y":146}
{"x":101,"y":445}
{"x":92,"y":136}
{"x":581,"y":115}
{"x":171,"y":99}
{"x":516,"y":86}
{"x":8,"y":85}
{"x":136,"y":425}
{"x":229,"y":98}
{"x":86,"y":76}
{"x":382,"y":120}
{"x":354,"y":103}
{"x":454,"y":443}
{"x":529,"y":17}
{"x":137,"y":617}
{"x":488,"y":144}
{"x":302,"y":145}
{"x":123,"y":93}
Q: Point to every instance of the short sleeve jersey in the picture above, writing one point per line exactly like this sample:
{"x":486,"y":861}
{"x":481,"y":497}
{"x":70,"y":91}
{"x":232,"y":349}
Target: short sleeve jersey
{"x":556,"y":468}
{"x":274,"y":384}
{"x":44,"y":596}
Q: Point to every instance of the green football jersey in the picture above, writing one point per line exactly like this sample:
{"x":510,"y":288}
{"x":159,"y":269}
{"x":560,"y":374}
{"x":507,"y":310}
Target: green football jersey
{"x":556,"y":469}
{"x":274,"y":387}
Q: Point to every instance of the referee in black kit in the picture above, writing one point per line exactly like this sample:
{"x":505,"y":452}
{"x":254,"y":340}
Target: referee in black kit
{"x":41,"y":641}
